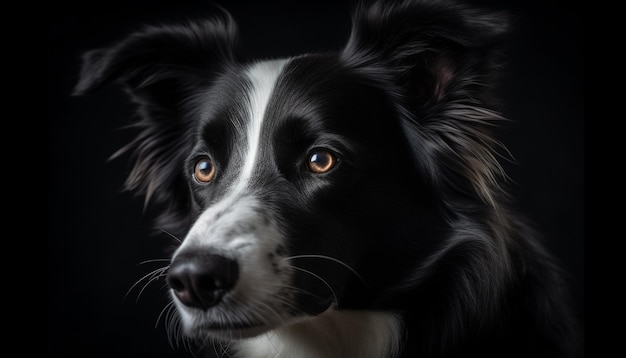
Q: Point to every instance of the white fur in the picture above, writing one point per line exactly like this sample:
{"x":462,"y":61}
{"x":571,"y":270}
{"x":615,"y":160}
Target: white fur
{"x":263,"y":76}
{"x":333,"y":334}
{"x":235,"y":227}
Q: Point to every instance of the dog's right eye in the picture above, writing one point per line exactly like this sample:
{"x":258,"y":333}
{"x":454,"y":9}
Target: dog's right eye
{"x":204,"y":170}
{"x":321,"y":161}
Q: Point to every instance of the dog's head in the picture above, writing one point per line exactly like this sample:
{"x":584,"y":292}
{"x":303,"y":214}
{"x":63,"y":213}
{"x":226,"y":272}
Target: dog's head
{"x":310,"y":182}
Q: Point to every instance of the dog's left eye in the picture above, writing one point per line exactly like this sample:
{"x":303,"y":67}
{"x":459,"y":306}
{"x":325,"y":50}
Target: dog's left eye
{"x":321,"y":161}
{"x":204,"y":170}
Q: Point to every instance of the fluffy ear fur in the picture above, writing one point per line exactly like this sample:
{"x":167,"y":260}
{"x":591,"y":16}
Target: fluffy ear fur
{"x":161,"y":68}
{"x":440,"y":57}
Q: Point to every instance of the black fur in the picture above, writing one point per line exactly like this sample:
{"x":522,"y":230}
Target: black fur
{"x":417,"y":205}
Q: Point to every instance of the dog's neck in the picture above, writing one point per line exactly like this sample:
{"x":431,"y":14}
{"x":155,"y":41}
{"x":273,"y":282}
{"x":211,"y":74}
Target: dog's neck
{"x":333,"y":334}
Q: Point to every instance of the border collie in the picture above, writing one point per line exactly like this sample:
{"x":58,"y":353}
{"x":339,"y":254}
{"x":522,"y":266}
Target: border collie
{"x":340,"y":204}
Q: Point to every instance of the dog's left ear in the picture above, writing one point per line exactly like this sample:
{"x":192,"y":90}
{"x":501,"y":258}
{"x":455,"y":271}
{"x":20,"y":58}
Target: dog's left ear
{"x":429,"y":46}
{"x":437,"y":59}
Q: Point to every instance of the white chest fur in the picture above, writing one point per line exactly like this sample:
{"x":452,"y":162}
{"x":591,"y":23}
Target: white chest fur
{"x":333,"y":334}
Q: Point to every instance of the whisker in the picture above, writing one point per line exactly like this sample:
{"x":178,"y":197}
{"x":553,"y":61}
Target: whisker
{"x":153,"y":260}
{"x":219,"y":349}
{"x":319,"y":278}
{"x":171,"y":235}
{"x":331,"y":259}
{"x":150,"y":276}
{"x":166,"y":308}
{"x":188,"y":345}
{"x":225,"y":348}
{"x":172,"y":327}
{"x":152,"y":279}
{"x":295,"y":290}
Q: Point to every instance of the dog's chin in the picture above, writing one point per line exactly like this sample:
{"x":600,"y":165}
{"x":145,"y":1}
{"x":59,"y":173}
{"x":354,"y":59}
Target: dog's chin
{"x":226,"y":327}
{"x":229,"y":331}
{"x":237,"y":330}
{"x":233,"y":327}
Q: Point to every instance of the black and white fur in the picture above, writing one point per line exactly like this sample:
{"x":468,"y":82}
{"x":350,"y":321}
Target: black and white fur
{"x":403,"y":245}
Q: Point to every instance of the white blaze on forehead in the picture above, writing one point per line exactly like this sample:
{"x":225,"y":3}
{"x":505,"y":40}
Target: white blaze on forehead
{"x":236,"y":206}
{"x":263,"y":77}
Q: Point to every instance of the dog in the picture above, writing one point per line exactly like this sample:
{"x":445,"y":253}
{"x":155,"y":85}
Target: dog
{"x":339,"y":204}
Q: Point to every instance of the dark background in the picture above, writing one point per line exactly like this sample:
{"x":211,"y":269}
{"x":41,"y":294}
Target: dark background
{"x":98,"y":235}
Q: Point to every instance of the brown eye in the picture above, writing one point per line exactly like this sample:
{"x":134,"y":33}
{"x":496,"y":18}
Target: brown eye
{"x":321,"y":161}
{"x":204,"y":170}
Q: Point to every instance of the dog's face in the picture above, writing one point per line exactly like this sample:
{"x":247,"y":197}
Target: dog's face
{"x":292,"y":188}
{"x":308,"y":183}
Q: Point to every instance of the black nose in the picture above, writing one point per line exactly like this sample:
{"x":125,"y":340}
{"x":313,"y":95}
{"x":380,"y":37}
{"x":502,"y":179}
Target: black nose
{"x":201,"y":279}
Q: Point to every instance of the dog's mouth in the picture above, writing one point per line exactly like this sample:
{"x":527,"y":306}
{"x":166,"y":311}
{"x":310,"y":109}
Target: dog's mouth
{"x":233,"y":320}
{"x":231,"y":326}
{"x":234,"y":328}
{"x":230,"y":321}
{"x":225,"y":322}
{"x":231,"y":330}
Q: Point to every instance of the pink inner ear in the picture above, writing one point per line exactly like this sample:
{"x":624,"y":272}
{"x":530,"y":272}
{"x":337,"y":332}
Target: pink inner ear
{"x":443,"y":72}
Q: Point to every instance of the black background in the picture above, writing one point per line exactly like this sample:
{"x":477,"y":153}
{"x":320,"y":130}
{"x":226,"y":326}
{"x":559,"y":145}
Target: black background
{"x":98,"y":235}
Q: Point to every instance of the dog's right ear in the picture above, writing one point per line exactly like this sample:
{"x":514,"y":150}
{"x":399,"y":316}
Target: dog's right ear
{"x":162,"y":68}
{"x":159,"y":53}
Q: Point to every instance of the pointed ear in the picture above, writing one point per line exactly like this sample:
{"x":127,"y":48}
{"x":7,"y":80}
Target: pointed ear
{"x":162,"y":68}
{"x":437,"y":59}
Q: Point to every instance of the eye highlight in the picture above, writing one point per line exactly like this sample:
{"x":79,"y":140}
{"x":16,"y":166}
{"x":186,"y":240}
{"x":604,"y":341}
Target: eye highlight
{"x":204,"y":170}
{"x":321,"y":161}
